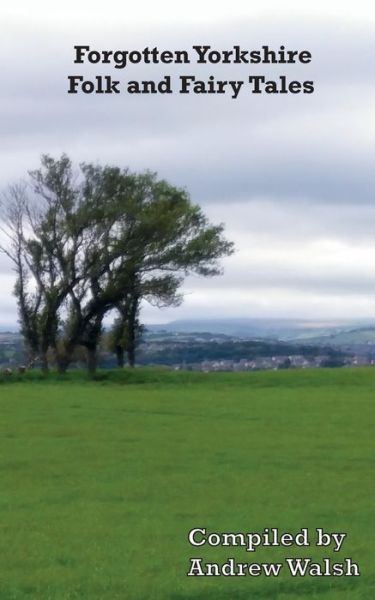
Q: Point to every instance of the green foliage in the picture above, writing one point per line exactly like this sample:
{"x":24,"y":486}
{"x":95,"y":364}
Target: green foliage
{"x":98,"y":240}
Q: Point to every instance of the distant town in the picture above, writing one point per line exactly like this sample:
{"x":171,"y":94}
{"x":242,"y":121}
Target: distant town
{"x":263,"y":345}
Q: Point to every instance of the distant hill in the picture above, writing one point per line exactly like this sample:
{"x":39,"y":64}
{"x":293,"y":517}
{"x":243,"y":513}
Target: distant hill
{"x":282,"y":329}
{"x":348,"y":337}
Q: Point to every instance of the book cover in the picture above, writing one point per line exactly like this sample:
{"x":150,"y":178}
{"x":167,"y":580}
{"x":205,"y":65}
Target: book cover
{"x":187,"y":301}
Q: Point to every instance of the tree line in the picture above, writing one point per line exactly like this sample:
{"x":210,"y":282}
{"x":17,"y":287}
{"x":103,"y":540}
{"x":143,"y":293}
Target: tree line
{"x":195,"y":352}
{"x":91,"y":241}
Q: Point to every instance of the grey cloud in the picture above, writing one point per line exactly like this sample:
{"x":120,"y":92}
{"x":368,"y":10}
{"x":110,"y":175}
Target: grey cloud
{"x":276,"y":223}
{"x":271,"y":280}
{"x":274,"y":169}
{"x":216,"y":147}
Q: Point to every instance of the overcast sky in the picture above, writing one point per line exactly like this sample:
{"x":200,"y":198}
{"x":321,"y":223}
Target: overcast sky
{"x":291,"y":176}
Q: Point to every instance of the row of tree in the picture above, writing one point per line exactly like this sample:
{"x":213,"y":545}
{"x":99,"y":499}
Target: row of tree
{"x":96,"y":240}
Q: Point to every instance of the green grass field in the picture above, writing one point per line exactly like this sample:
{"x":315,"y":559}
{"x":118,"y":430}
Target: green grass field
{"x":102,"y":481}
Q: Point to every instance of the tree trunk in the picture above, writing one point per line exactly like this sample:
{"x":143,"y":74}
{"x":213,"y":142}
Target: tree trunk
{"x":91,"y":361}
{"x":63,"y":359}
{"x":120,"y":356}
{"x":62,"y":365}
{"x":132,"y":325}
{"x":44,"y":363}
{"x":131,"y":355}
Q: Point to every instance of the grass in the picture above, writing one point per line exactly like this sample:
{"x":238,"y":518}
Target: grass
{"x":101,"y":481}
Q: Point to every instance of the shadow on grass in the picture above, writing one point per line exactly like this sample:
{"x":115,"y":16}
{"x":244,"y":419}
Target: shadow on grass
{"x":288,"y":589}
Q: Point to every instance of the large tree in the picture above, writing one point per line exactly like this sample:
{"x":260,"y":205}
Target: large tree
{"x":99,"y":239}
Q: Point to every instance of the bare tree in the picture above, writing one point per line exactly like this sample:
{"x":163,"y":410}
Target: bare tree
{"x":14,"y":245}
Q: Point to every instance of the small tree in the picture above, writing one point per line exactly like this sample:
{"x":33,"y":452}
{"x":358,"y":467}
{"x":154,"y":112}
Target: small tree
{"x":126,"y":332}
{"x":43,"y":224}
{"x":13,"y":223}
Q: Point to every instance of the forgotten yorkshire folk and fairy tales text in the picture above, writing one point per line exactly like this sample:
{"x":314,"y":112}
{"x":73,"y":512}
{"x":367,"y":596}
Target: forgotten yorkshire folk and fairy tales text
{"x":190,"y":81}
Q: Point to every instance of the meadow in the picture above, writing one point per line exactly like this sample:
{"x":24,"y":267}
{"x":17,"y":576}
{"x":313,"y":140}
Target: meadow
{"x":101,"y":481}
